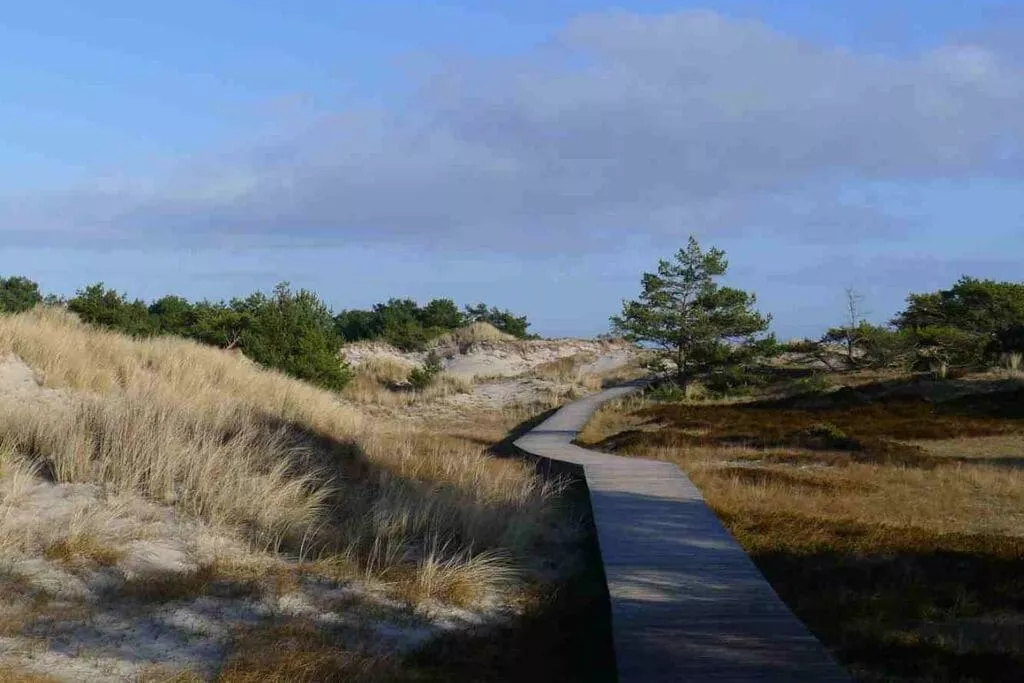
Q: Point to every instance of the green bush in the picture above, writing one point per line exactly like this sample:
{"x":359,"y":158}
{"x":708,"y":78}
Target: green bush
{"x":813,"y":384}
{"x":290,"y":331}
{"x":505,"y":321}
{"x":667,"y":392}
{"x":886,"y":348}
{"x":799,"y":346}
{"x":826,"y":429}
{"x":825,"y":435}
{"x":98,"y":305}
{"x":950,"y":346}
{"x":406,"y":325}
{"x":735,"y":380}
{"x":875,"y":346}
{"x":422,"y":377}
{"x":293,"y":332}
{"x":18,"y":294}
{"x":173,"y":315}
{"x":966,"y":326}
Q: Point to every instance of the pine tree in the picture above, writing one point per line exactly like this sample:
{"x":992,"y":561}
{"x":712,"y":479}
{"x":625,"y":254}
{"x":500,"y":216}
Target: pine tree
{"x":694,"y":323}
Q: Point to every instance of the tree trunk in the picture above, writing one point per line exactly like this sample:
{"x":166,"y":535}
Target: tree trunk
{"x":681,"y":367}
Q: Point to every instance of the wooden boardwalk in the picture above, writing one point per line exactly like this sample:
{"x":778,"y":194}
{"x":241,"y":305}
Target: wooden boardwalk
{"x":687,"y":603}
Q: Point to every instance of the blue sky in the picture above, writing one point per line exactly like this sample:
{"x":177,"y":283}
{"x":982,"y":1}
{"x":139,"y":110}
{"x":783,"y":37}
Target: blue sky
{"x":535,"y":154}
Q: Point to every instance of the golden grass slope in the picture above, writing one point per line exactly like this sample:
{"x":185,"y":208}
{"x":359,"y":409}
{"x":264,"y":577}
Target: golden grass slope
{"x":289,"y":466}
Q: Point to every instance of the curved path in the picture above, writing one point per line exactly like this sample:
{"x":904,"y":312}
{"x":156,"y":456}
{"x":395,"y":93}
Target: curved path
{"x":687,"y":603}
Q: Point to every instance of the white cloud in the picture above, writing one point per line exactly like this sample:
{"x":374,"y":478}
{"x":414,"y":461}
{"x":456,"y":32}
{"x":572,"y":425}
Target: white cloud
{"x":657,"y":125}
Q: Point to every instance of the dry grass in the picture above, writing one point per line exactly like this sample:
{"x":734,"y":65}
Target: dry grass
{"x":470,"y":334}
{"x":384,"y":383}
{"x":565,"y":369}
{"x":17,"y":675}
{"x":1013,"y":364}
{"x":290,"y":466}
{"x":87,"y":547}
{"x":890,"y":521}
{"x":295,"y":651}
{"x":383,"y":370}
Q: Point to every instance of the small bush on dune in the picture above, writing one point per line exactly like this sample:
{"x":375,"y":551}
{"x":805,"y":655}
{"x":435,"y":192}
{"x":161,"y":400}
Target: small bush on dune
{"x":294,"y":332}
{"x":18,"y":294}
{"x":816,"y":384}
{"x":472,"y":334}
{"x":422,"y":377}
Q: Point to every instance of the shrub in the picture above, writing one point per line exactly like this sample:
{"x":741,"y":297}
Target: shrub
{"x":826,"y":429}
{"x":294,"y":332}
{"x":982,"y":307}
{"x":874,"y":346}
{"x":98,"y":305}
{"x":506,"y":321}
{"x":18,"y":294}
{"x":422,"y":377}
{"x":950,"y":346}
{"x":667,"y":392}
{"x":289,"y":331}
{"x":406,"y":325}
{"x":735,"y":379}
{"x":173,"y":315}
{"x":967,"y":325}
{"x":799,"y":346}
{"x":825,"y":435}
{"x":884,"y":347}
{"x":816,"y":383}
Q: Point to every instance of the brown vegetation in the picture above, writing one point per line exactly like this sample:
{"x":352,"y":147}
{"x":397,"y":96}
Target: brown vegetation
{"x":889,"y":515}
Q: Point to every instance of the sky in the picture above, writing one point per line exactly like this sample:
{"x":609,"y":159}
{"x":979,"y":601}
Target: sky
{"x":538,"y":155}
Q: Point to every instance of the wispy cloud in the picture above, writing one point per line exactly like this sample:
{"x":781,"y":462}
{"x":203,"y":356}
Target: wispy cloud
{"x":622,"y":124}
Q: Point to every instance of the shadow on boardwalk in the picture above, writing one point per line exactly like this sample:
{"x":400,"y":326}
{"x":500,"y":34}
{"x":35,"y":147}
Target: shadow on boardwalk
{"x":687,"y":604}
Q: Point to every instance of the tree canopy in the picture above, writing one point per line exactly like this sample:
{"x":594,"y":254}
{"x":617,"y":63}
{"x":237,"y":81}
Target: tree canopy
{"x":405,"y":324}
{"x":290,"y":331}
{"x":696,"y":324}
{"x":18,"y":294}
{"x":989,"y":310}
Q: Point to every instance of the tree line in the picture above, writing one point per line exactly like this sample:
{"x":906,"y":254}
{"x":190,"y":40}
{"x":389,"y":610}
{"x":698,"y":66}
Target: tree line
{"x":410,"y":327}
{"x":702,"y":329}
{"x":292,"y":331}
{"x":969,"y":326}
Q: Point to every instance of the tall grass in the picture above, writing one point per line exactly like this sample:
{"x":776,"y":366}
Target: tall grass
{"x":472,"y":333}
{"x":250,"y":449}
{"x":1014,"y":364}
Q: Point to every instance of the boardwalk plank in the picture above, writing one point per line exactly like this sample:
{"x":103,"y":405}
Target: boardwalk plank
{"x":687,"y":602}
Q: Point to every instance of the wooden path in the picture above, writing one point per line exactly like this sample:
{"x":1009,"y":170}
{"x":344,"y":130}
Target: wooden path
{"x":687,"y":603}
